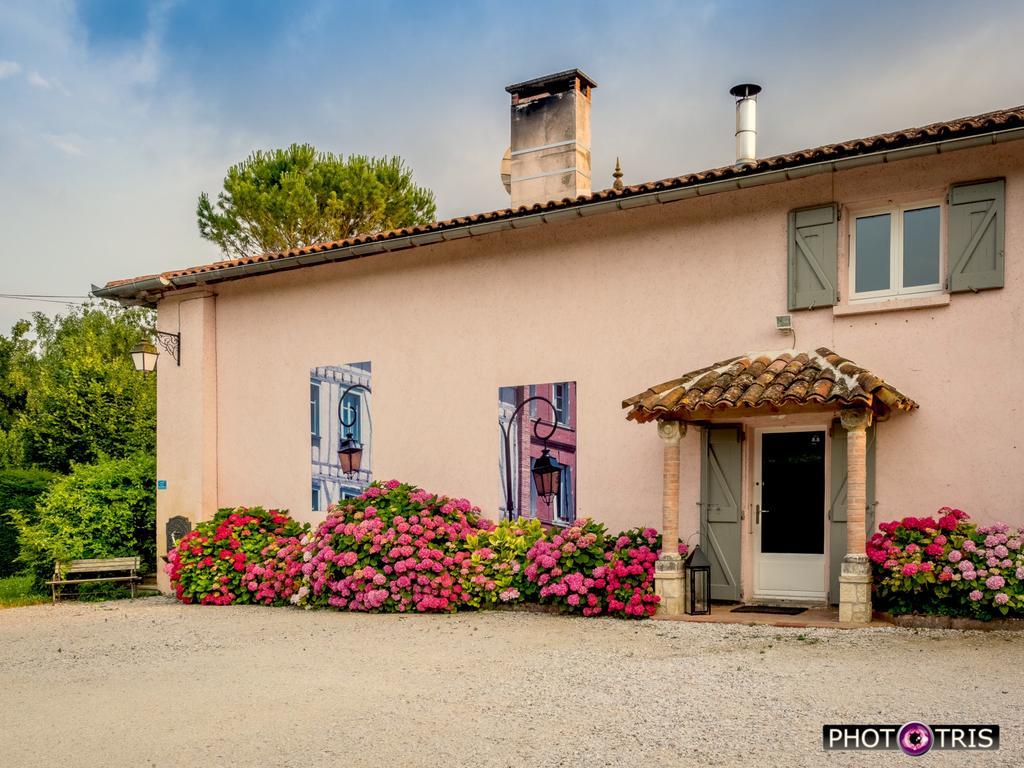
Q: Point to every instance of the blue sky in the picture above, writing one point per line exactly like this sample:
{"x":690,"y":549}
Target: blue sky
{"x":115,"y":115}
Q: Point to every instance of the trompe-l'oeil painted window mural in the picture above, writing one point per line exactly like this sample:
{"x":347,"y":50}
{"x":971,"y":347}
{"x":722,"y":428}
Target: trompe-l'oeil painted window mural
{"x":537,"y":451}
{"x":341,"y":432}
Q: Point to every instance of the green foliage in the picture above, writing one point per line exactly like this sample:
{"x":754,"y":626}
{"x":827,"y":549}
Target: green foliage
{"x":15,"y":360}
{"x":106,"y":509}
{"x":19,"y":490}
{"x":289,"y":198}
{"x":496,"y":563}
{"x":74,"y":393}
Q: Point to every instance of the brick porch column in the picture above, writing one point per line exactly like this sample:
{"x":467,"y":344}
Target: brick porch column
{"x":855,"y":576}
{"x":668,"y":571}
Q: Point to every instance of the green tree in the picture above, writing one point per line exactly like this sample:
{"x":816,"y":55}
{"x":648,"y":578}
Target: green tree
{"x":19,"y":489}
{"x":289,"y":198}
{"x":82,"y":399}
{"x":15,"y":362}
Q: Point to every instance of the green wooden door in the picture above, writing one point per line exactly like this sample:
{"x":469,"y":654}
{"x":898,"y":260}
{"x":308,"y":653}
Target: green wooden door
{"x":720,"y":511}
{"x":837,"y":507}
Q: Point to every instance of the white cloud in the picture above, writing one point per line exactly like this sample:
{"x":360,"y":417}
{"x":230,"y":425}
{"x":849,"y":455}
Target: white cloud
{"x":69,"y":144}
{"x":38,"y":81}
{"x":9,"y":69}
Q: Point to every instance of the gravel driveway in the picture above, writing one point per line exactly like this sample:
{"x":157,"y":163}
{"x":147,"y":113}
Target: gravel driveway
{"x":154,"y":683}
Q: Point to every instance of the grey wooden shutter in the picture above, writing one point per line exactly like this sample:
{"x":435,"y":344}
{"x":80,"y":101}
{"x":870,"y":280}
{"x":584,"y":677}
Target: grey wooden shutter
{"x":721,"y":491}
{"x":813,"y":256}
{"x":837,"y":505}
{"x":976,"y":225}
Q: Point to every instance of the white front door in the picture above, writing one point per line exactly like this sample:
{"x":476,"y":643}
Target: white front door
{"x":789,"y":517}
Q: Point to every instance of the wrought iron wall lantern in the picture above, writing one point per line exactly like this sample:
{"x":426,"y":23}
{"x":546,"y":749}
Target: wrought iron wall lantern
{"x":350,"y":450}
{"x":144,"y":354}
{"x":546,"y":471}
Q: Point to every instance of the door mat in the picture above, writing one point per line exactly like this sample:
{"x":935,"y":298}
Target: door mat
{"x":784,"y":609}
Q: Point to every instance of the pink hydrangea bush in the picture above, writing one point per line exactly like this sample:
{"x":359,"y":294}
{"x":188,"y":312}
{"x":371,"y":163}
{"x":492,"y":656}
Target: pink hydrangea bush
{"x":399,"y":548}
{"x":277,"y":578}
{"x":562,"y":567}
{"x":396,"y":548}
{"x":629,"y":573}
{"x":211,"y":564}
{"x":583,"y":570}
{"x":948,"y":565}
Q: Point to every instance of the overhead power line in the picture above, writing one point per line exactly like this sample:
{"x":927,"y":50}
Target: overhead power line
{"x":45,"y":299}
{"x":42,"y":296}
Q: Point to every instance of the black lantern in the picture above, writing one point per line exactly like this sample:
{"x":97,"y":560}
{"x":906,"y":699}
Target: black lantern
{"x":698,"y":583}
{"x":350,"y":450}
{"x":547,"y":476}
{"x":144,"y":356}
{"x":350,"y":455}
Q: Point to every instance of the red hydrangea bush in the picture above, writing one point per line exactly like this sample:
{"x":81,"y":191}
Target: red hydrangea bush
{"x":949,"y":566}
{"x":396,"y":548}
{"x":211,"y":564}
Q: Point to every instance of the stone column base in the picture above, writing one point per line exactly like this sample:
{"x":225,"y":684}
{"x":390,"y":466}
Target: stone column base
{"x":855,"y":590}
{"x":668,"y":585}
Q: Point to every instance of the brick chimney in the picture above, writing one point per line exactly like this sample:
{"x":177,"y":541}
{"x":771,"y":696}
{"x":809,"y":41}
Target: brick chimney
{"x":550,"y":152}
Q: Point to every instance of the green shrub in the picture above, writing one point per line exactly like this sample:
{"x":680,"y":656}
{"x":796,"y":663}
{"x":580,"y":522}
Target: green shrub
{"x":19,"y":490}
{"x":106,"y":509}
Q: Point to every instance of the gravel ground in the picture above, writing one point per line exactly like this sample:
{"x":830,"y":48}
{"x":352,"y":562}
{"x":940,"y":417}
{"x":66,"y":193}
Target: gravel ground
{"x":154,"y":683}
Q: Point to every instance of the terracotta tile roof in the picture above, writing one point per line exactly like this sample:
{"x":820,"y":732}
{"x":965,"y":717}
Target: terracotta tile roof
{"x":963,"y":127}
{"x":767,"y":380}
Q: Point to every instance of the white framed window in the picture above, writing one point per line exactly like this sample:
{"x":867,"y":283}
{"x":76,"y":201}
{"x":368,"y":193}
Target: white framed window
{"x":560,"y":399}
{"x":565,"y":509}
{"x":314,"y":408}
{"x":315,"y":501}
{"x":896,"y":251}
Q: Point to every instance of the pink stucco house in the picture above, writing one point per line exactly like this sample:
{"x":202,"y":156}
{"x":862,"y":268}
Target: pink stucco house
{"x":892,"y":390}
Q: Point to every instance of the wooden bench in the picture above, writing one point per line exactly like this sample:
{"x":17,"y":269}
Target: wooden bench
{"x":79,"y":571}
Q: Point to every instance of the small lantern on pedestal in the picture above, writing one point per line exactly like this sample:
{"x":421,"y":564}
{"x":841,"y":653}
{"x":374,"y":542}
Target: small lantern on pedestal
{"x":697,"y":578}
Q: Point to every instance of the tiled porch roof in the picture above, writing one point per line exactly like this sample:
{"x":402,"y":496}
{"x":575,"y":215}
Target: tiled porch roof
{"x":768,"y":380}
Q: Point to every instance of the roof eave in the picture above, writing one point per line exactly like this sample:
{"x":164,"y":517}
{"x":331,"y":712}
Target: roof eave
{"x":151,"y":289}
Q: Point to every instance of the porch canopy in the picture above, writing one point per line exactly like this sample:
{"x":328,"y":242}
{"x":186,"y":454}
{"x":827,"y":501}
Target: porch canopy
{"x":768,"y":382}
{"x":787,"y":382}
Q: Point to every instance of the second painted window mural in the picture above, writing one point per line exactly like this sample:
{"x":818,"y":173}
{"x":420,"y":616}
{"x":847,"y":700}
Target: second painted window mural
{"x":537,"y":417}
{"x":339,"y":416}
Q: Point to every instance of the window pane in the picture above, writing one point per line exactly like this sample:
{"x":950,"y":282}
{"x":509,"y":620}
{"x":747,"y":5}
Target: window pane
{"x":921,"y":247}
{"x":872,"y":260}
{"x":314,"y":409}
{"x":350,"y":408}
{"x":559,"y":402}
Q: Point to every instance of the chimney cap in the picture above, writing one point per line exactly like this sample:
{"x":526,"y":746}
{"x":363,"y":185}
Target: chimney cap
{"x":745,"y":90}
{"x":551,"y":82}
